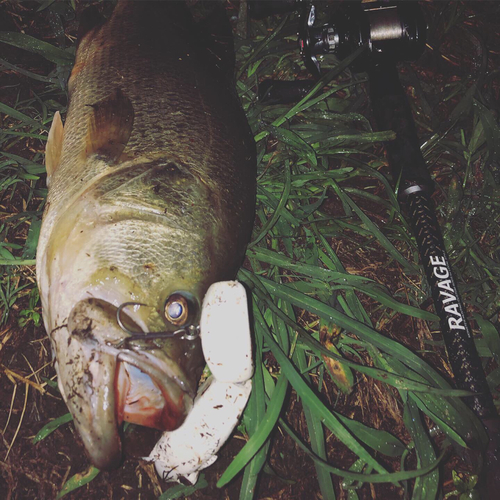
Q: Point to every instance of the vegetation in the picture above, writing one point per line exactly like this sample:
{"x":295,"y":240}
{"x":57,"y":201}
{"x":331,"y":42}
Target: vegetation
{"x":350,"y":365}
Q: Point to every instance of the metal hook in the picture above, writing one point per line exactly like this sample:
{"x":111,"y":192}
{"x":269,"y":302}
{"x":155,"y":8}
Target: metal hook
{"x":119,"y":319}
{"x":190,"y":332}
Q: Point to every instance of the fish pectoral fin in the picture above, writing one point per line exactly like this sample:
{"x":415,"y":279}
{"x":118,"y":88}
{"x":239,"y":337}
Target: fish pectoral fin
{"x":54,"y":144}
{"x":110,"y":126}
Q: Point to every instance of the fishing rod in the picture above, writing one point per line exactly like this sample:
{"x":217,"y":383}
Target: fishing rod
{"x":392,"y":32}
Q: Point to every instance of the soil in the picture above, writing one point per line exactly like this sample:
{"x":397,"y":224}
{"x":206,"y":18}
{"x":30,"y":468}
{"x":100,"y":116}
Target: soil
{"x":27,"y":402}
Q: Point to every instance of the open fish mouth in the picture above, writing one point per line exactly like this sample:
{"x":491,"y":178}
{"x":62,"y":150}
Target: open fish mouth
{"x":104,"y":386}
{"x":140,"y":400}
{"x":146,"y":396}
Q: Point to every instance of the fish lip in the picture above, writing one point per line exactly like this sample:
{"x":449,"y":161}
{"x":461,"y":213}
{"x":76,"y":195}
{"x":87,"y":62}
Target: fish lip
{"x":98,"y":399}
{"x":100,"y":432}
{"x":109,"y":457}
{"x":97,"y":427}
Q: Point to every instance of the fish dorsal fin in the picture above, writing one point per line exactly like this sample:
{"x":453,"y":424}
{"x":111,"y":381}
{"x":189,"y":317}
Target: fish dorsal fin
{"x":110,"y":126}
{"x":54,"y":144}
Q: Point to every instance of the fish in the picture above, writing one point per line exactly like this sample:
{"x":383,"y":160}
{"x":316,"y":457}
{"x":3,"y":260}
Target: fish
{"x":151,"y":200}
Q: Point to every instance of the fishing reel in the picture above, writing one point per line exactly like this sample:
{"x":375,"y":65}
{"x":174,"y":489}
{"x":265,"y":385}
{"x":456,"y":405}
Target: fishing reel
{"x":390,"y":32}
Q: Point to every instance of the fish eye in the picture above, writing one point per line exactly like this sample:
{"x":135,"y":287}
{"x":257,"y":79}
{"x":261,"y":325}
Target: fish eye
{"x":179,"y":309}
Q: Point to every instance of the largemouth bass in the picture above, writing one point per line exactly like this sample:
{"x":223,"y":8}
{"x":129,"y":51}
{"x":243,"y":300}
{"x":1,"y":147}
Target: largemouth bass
{"x":151,"y":200}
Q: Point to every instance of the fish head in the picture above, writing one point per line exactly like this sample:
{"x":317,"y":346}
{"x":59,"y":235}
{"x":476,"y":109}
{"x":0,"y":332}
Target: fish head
{"x":137,"y":363}
{"x":123,"y":274}
{"x":122,"y":270}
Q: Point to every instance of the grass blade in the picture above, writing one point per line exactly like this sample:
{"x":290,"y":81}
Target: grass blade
{"x":77,"y":481}
{"x":26,"y":42}
{"x":182,"y":490}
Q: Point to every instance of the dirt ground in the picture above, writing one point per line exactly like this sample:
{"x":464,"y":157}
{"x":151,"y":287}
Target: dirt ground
{"x":27,"y":403}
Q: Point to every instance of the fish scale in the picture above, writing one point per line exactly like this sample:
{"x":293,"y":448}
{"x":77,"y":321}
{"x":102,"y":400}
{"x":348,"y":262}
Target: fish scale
{"x":151,"y":192}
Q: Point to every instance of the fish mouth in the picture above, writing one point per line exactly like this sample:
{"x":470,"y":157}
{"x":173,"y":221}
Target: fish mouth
{"x":104,"y":386}
{"x":141,"y":392}
{"x":144,"y":395}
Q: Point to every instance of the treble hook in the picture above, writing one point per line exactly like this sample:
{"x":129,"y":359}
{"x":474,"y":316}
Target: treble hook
{"x":190,"y":332}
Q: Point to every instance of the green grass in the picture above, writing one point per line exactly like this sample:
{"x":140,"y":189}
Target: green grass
{"x":321,"y":148}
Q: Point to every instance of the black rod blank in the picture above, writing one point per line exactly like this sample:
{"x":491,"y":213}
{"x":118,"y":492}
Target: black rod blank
{"x":392,"y":111}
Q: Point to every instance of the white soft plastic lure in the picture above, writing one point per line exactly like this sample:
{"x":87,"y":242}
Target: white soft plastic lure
{"x":226,"y":342}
